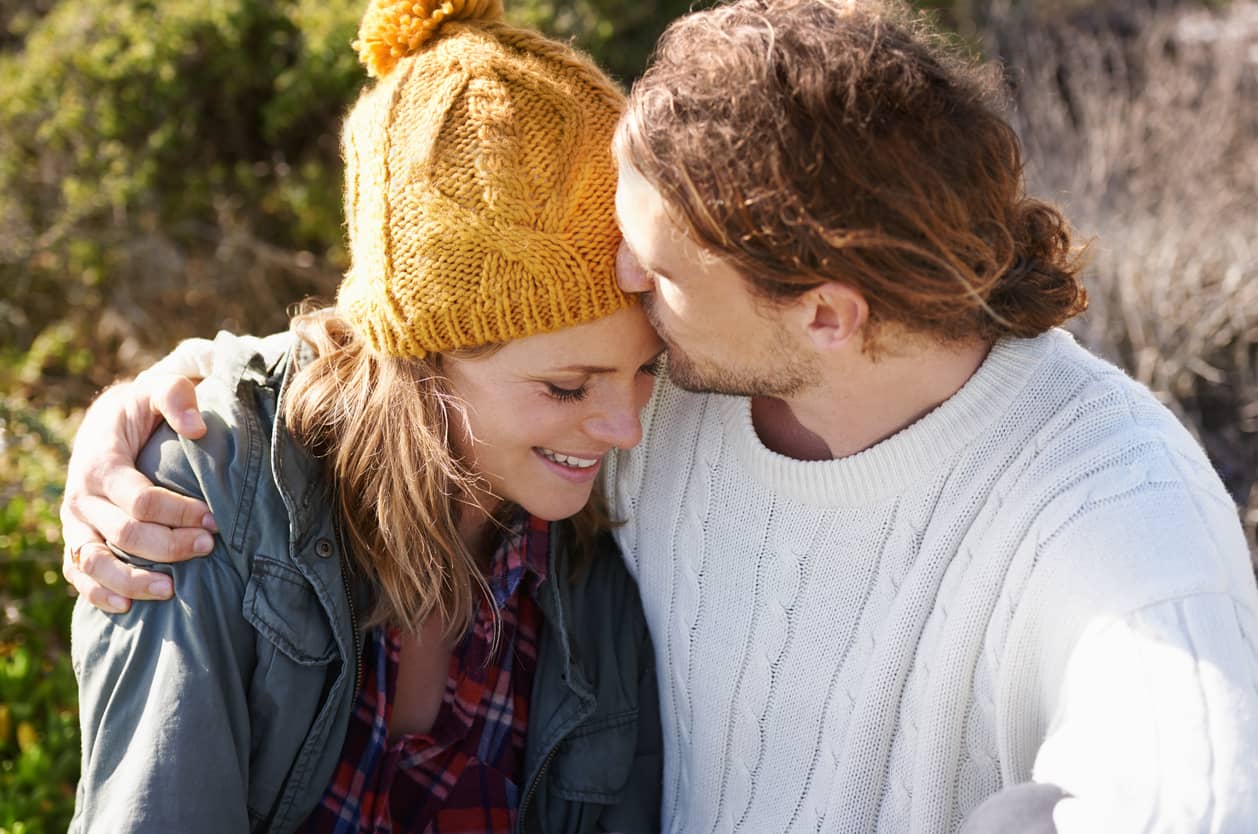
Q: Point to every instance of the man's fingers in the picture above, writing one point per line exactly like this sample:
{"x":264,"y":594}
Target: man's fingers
{"x":101,"y":597}
{"x":136,"y":496}
{"x":120,"y":580}
{"x":75,"y":533}
{"x":175,"y":398}
{"x":155,"y":542}
{"x":91,"y":590}
{"x":100,"y":577}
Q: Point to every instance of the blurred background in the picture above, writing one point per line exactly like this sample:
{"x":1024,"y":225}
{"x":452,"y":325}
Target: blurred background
{"x":171,"y":168}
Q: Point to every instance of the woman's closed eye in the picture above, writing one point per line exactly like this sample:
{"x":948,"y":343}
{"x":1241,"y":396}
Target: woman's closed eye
{"x":575,"y":394}
{"x":655,"y":367}
{"x":570,"y":395}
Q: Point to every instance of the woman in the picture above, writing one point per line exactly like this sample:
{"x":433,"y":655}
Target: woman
{"x":406,"y":622}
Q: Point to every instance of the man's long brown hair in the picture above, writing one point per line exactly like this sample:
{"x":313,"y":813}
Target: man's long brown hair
{"x":808,"y":141}
{"x":382,"y":425}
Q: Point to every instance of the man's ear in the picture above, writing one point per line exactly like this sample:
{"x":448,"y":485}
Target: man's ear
{"x":833,"y":316}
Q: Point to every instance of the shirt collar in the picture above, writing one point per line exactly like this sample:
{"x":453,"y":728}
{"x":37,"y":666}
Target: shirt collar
{"x":524,"y":551}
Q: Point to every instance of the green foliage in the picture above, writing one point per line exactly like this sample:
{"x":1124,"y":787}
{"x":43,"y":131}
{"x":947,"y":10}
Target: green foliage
{"x":147,"y":109}
{"x":39,"y":739}
{"x":133,"y":132}
{"x":618,"y":33}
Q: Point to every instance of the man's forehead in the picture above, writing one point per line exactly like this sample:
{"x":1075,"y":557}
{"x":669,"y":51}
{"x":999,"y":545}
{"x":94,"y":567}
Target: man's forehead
{"x":650,"y":231}
{"x":635,"y":195}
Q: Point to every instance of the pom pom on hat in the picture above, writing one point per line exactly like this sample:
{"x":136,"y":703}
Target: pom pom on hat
{"x":393,"y":29}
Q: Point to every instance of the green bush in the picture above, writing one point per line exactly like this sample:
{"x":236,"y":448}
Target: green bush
{"x":39,"y":740}
{"x":148,"y":150}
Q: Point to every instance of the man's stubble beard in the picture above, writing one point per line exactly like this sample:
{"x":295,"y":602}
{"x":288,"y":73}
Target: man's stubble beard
{"x":783,"y":373}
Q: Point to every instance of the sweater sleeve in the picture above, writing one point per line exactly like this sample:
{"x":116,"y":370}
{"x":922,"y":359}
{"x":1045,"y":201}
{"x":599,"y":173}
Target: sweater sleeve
{"x":1143,"y":638}
{"x":1156,"y":722}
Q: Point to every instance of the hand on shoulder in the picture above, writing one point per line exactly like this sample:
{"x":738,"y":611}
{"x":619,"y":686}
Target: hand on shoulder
{"x":108,"y":499}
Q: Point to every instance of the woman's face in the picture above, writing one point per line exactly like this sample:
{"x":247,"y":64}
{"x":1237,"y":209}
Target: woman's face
{"x":544,"y":410}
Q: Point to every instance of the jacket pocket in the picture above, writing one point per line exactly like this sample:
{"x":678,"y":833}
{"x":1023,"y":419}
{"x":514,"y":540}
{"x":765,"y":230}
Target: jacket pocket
{"x":594,"y":762}
{"x":282,"y":606}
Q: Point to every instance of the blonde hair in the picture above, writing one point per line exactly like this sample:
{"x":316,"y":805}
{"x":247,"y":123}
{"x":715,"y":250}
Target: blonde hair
{"x":382,"y":425}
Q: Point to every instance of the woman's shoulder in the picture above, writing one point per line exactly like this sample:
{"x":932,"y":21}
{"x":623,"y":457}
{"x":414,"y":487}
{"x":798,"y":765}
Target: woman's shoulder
{"x":229,"y":466}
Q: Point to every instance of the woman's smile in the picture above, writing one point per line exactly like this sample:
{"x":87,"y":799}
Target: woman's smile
{"x":574,"y":468}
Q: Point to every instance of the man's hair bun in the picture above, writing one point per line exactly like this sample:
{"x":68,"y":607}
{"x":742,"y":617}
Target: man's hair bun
{"x":393,"y":29}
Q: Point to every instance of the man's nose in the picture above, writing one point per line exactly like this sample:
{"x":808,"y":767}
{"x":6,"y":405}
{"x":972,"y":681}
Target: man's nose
{"x":630,"y":274}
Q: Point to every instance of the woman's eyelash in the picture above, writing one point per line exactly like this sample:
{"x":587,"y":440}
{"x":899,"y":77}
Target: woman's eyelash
{"x":567,"y":394}
{"x":655,"y":367}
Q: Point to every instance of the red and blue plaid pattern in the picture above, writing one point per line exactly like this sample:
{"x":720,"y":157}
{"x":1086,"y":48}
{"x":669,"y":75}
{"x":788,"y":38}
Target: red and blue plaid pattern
{"x":463,"y":776}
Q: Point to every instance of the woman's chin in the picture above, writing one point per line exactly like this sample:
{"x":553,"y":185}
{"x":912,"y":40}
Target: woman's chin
{"x":554,"y":507}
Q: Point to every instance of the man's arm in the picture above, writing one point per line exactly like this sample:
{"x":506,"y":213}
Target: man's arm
{"x":1157,"y":727}
{"x":1143,"y":627}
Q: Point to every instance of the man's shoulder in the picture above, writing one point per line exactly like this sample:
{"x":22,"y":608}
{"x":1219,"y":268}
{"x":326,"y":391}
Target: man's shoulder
{"x":1123,"y":497}
{"x":1091,"y":417}
{"x":1089,"y":467}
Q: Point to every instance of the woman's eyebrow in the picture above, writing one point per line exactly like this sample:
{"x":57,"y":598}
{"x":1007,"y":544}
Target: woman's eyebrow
{"x":593,"y":370}
{"x":584,"y":369}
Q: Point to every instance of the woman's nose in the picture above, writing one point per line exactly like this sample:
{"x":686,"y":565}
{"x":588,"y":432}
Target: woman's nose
{"x":630,"y":274}
{"x":619,"y":426}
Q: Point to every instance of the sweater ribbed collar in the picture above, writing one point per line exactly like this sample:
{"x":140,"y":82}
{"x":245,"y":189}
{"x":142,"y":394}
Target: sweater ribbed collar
{"x":905,"y":459}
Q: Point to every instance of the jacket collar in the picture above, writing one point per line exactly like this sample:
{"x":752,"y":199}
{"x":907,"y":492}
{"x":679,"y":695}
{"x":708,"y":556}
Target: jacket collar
{"x":554,"y":599}
{"x":299,"y":477}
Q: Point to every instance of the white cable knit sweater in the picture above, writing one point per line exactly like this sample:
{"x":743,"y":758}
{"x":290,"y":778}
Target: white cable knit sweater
{"x":1041,"y":579}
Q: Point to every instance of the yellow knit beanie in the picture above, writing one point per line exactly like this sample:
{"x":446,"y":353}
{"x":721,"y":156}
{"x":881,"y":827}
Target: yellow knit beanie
{"x":479,"y":182}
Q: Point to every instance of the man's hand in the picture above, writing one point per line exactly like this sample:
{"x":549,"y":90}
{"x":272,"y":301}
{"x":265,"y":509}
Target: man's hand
{"x":107,"y":499}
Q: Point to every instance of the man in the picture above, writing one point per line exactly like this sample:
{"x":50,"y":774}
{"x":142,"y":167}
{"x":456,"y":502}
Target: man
{"x":903,"y":546}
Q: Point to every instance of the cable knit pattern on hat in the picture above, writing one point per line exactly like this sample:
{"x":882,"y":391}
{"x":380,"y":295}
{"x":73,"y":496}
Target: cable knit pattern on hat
{"x":1041,"y":579}
{"x":480,"y":183}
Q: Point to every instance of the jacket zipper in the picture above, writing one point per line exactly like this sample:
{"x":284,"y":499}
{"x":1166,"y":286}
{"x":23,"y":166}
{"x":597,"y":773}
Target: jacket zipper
{"x":537,"y":780}
{"x":353,"y":615}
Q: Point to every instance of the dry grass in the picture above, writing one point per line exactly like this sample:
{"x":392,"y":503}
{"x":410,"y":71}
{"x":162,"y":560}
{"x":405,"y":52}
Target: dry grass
{"x":1143,"y":124}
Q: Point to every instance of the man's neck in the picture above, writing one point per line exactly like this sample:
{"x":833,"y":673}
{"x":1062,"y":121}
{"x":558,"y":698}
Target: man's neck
{"x":863,"y":401}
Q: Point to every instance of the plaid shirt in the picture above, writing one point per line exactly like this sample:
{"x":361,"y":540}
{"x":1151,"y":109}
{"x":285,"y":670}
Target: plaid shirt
{"x":463,"y":776}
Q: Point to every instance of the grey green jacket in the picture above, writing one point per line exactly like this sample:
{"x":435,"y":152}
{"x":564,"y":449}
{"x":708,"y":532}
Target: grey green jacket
{"x":224,"y":709}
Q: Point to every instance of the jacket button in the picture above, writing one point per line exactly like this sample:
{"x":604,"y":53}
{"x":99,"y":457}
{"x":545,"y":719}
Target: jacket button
{"x":323,"y":548}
